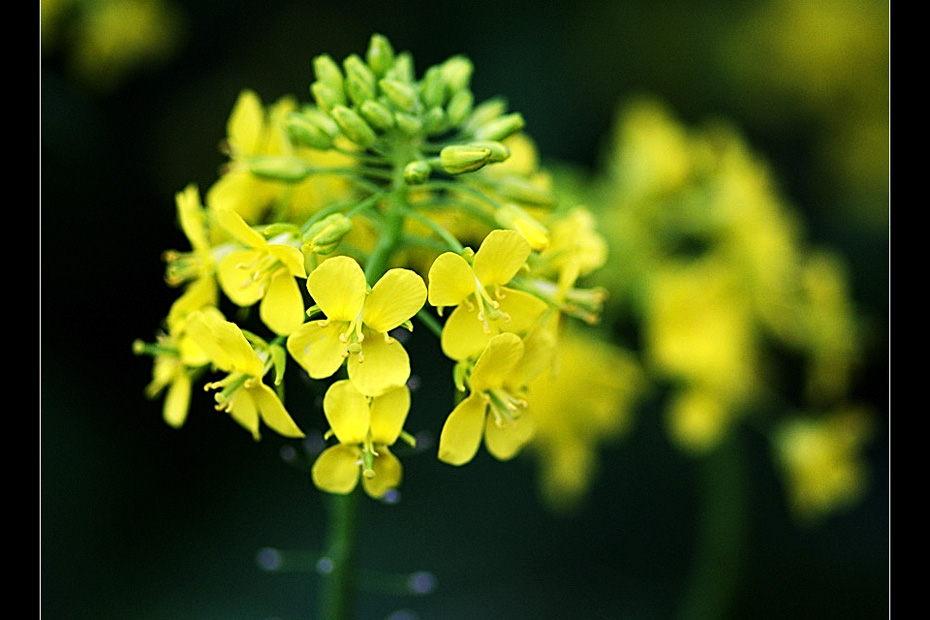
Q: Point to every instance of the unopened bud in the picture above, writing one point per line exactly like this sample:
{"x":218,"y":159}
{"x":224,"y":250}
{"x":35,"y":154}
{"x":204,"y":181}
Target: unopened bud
{"x":326,"y":96}
{"x":459,"y":107}
{"x":523,"y":190}
{"x":417,"y":172}
{"x":501,"y":127}
{"x":377,"y":114}
{"x":360,"y":80}
{"x":380,"y":55}
{"x":456,"y":71}
{"x":499,"y":151}
{"x":353,"y":126}
{"x":434,"y":121}
{"x":324,"y":236}
{"x":409,"y":125}
{"x":315,"y":132}
{"x":402,"y":95}
{"x":433,"y":88}
{"x":328,"y":72}
{"x":457,"y":159}
{"x":287,"y":169}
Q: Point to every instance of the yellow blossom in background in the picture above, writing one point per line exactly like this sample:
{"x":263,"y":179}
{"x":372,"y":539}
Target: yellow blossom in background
{"x":484,"y":305}
{"x":822,"y":460}
{"x":243,"y":394}
{"x":357,"y":324}
{"x":581,"y":403}
{"x":107,"y":41}
{"x":366,"y":427}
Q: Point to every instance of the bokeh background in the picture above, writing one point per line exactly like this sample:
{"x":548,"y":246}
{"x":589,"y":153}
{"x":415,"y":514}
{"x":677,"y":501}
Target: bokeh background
{"x":144,"y":522}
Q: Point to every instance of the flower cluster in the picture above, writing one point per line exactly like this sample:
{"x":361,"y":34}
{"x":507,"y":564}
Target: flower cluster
{"x":386,"y":201}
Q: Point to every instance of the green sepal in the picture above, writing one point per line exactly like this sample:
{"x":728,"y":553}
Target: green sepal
{"x":353,"y":126}
{"x":461,"y":158}
{"x":278,"y":362}
{"x":287,"y":169}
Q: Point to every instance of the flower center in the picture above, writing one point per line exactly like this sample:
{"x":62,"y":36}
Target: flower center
{"x":488,"y":307}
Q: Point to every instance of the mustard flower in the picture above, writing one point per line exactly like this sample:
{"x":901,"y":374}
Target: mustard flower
{"x":485,"y":307}
{"x":357,"y":323}
{"x":496,"y":407}
{"x":365,"y":427}
{"x":242,"y":393}
{"x":263,"y":271}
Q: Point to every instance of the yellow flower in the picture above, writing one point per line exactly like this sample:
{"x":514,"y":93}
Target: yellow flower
{"x":242,"y":393}
{"x":357,"y":324}
{"x":821,"y":460}
{"x":365,"y":427}
{"x":484,"y":306}
{"x":496,"y":408}
{"x":263,"y":271}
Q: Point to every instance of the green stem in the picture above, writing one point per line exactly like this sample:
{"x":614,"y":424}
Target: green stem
{"x":721,"y":533}
{"x":339,"y":562}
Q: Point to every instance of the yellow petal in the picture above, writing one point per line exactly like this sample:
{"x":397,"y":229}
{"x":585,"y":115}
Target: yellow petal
{"x":388,"y":473}
{"x":316,"y":347}
{"x":497,"y":363}
{"x":242,"y":409}
{"x":290,"y":257}
{"x":338,"y":287}
{"x":451,"y":280}
{"x":224,"y":343}
{"x":388,"y":413}
{"x":233,"y":223}
{"x":245,"y":126}
{"x":282,"y":308}
{"x":347,"y":411}
{"x":397,"y":296}
{"x":177,"y":401}
{"x":461,"y":434}
{"x":236,"y":275}
{"x":385,"y":365}
{"x":505,"y":442}
{"x":272,"y":411}
{"x":191,"y":217}
{"x":500,"y":257}
{"x":336,"y":470}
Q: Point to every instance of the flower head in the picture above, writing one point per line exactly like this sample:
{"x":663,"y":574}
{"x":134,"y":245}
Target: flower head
{"x":484,"y":305}
{"x":242,"y":393}
{"x":357,"y":323}
{"x":365,"y":427}
{"x":496,"y":407}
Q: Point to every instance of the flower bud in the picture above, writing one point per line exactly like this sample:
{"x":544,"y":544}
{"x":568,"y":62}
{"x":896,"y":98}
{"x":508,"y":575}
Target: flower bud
{"x":311,"y":131}
{"x":501,"y":127}
{"x":360,"y":82}
{"x":522,"y":190}
{"x":377,"y":114}
{"x":459,"y":107}
{"x":353,"y":126}
{"x":409,"y":125}
{"x":328,"y":72}
{"x":513,"y":217}
{"x":380,"y":55}
{"x":499,"y":152}
{"x":434,"y":121}
{"x":326,"y":97}
{"x":417,"y":172}
{"x":456,"y":71}
{"x":403,"y":96}
{"x":324,"y":236}
{"x":358,"y":89}
{"x":433,"y":88}
{"x":460,"y":158}
{"x":287,"y":169}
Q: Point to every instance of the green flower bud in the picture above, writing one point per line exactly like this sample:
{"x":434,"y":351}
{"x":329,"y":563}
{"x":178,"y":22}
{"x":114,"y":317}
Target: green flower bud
{"x":326,"y":97}
{"x":324,"y":236}
{"x":434,"y":121}
{"x":402,"y":96}
{"x":501,"y":127}
{"x":456,"y":71}
{"x":417,"y":172}
{"x":328,"y":72}
{"x":380,"y":55}
{"x":499,"y":151}
{"x":485,"y":112}
{"x":460,"y":158}
{"x":287,"y":169}
{"x":409,"y":125}
{"x":308,"y":132}
{"x":356,"y":70}
{"x":353,"y":126}
{"x":459,"y":107}
{"x":522,"y":190}
{"x":433,"y":88}
{"x":377,"y":114}
{"x":358,"y":89}
{"x":403,"y":70}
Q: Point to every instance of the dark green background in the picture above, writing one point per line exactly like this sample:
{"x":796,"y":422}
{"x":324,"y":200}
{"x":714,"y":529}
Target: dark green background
{"x":140,"y":522}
